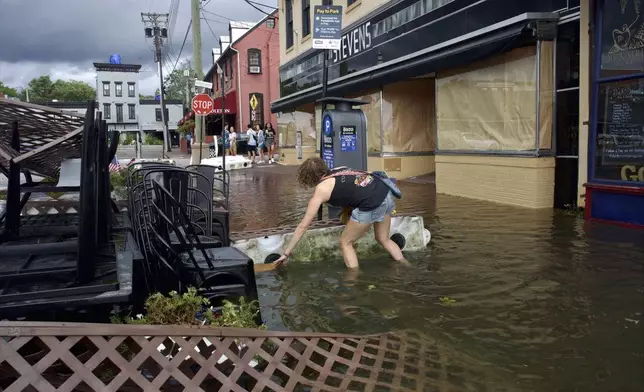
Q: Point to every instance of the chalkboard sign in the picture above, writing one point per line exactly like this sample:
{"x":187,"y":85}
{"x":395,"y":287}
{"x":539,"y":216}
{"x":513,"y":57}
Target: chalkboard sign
{"x":621,"y":133}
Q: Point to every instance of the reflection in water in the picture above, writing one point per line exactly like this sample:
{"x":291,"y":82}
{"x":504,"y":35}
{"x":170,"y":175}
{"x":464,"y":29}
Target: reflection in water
{"x":543,"y":301}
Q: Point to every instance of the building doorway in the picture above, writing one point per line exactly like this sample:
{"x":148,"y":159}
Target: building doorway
{"x":567,"y":115}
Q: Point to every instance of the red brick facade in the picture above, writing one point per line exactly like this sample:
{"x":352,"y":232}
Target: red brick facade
{"x":261,"y":41}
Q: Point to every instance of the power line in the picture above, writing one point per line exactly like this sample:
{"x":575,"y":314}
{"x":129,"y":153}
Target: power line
{"x":215,"y":21}
{"x":252,"y":4}
{"x":217,"y":15}
{"x":210,"y":28}
{"x":182,"y":45}
{"x":261,"y":5}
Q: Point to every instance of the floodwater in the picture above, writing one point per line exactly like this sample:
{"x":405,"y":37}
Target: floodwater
{"x":538,"y":300}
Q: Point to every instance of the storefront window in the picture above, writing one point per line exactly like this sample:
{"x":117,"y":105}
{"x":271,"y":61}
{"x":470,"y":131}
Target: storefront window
{"x":408,"y":116}
{"x":619,"y":112}
{"x":491,"y":105}
{"x":288,"y":124}
{"x":619,"y":148}
{"x":622,"y":36}
{"x":372,"y":113}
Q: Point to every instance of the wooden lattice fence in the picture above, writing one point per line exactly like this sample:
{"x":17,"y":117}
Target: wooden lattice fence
{"x":48,"y":357}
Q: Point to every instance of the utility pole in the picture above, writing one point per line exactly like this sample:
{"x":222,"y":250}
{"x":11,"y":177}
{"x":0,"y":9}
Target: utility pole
{"x":156,"y":27}
{"x":198,"y":68}
{"x":186,"y":75}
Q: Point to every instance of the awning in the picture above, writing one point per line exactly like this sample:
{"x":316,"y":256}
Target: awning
{"x":230,"y":104}
{"x":450,"y":54}
{"x":230,"y":108}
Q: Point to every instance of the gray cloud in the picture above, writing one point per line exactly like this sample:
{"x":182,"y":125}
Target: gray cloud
{"x":79,"y":32}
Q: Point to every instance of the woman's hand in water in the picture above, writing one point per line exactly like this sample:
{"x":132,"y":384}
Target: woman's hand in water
{"x":283,"y":260}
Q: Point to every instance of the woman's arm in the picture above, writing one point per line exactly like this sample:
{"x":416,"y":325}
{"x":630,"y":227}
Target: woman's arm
{"x":320,"y":197}
{"x":311,"y":212}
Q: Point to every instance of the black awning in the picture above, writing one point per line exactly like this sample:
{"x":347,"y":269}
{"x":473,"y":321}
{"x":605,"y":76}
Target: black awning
{"x":416,"y":65}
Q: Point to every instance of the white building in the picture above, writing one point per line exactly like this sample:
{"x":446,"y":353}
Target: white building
{"x":117,"y":94}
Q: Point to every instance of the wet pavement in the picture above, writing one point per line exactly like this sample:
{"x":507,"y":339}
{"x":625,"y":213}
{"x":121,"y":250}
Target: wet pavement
{"x":532,"y":300}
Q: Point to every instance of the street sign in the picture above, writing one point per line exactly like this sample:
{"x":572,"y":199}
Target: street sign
{"x":327,"y":27}
{"x":202,"y":104}
{"x":202,"y":84}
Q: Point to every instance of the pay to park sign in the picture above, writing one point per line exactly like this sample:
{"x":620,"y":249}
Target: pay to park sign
{"x":327,"y":27}
{"x":202,"y":104}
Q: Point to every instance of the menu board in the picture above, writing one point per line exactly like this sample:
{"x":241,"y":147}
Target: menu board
{"x":621,"y":133}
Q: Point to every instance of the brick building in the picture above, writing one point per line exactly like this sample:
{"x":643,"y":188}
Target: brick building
{"x":249,"y":58}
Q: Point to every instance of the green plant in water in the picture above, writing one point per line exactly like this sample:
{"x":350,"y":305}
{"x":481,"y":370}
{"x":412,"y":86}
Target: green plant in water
{"x":190,"y":308}
{"x":447,"y":301}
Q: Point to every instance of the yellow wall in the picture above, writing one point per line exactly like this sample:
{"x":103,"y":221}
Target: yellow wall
{"x":525,"y":182}
{"x":397,"y":167}
{"x":584,"y":104}
{"x":288,"y":156}
{"x":302,"y":44}
{"x":403,"y":167}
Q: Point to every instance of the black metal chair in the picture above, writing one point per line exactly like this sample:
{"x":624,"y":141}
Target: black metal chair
{"x":218,"y":273}
{"x":220,"y":200}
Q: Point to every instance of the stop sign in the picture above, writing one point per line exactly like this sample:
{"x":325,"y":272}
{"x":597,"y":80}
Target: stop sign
{"x":202,"y":104}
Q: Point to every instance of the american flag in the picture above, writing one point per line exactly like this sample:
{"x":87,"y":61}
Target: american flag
{"x":114,"y":165}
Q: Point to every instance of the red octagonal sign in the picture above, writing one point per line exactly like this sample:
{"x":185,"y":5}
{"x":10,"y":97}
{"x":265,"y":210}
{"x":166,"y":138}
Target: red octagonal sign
{"x":202,"y":104}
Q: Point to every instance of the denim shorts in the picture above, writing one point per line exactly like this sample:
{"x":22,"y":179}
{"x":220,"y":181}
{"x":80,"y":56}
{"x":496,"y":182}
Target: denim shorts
{"x":376,"y":215}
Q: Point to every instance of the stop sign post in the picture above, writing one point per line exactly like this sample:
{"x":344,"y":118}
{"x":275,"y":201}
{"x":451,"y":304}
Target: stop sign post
{"x":202,"y":104}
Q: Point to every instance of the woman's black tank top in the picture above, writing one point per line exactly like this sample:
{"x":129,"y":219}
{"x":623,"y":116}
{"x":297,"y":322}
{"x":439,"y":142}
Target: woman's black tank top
{"x":363,"y":191}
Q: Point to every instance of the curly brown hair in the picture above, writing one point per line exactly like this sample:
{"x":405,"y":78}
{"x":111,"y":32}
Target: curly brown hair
{"x":311,"y":172}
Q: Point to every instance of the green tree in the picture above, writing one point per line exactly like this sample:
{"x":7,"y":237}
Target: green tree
{"x":8,"y":91}
{"x":43,"y":89}
{"x":40,"y":89}
{"x":72,"y":90}
{"x":176,"y":83}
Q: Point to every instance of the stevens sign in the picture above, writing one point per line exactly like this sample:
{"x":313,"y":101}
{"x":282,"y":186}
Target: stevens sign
{"x":353,"y":42}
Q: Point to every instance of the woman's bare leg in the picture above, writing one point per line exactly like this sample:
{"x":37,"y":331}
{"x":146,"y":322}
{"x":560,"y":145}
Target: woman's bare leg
{"x":352,"y":232}
{"x":381,"y":230}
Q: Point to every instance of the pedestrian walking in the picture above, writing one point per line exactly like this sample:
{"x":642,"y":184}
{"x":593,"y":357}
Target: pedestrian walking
{"x":269,"y":135}
{"x":189,"y":142}
{"x":252,"y":143}
{"x":260,"y":142}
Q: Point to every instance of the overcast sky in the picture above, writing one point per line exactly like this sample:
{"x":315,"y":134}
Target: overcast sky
{"x":63,"y":38}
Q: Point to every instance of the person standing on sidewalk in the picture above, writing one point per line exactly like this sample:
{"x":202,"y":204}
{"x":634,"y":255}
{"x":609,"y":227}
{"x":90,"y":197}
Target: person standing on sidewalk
{"x":269,"y":134}
{"x":252,"y":143}
{"x":260,"y":142}
{"x":233,"y":141}
{"x":189,"y":142}
{"x":226,"y":142}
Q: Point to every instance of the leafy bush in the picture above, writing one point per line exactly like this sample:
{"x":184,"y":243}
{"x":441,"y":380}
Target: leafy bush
{"x":51,"y":180}
{"x":128,"y":139}
{"x":190,"y":308}
{"x":152,"y":140}
{"x":118,"y":181}
{"x":186,"y":127}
